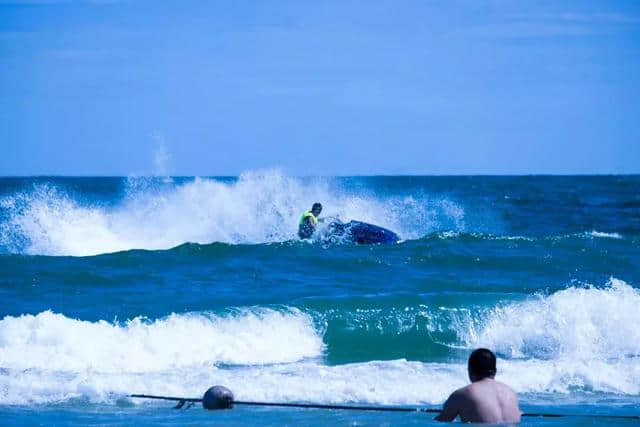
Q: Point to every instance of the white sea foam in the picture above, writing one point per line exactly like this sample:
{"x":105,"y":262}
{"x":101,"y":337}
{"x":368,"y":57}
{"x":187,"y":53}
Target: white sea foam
{"x":260,"y":207}
{"x":601,"y":234}
{"x":54,"y":342}
{"x":583,"y":339}
{"x":585,"y":235}
{"x":383,"y":382}
{"x":576,"y":323}
{"x":396,"y":382}
{"x":594,"y":234}
{"x":456,"y":234}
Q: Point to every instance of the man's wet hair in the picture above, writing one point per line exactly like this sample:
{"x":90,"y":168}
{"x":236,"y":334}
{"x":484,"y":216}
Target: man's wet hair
{"x":316,"y":207}
{"x":482,"y":363}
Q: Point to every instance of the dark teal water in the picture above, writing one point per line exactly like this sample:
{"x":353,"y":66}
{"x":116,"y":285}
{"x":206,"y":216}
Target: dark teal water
{"x":112,"y":286}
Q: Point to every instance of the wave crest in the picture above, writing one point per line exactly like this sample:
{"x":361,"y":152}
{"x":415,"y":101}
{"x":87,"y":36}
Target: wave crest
{"x":577,"y":323}
{"x":258,"y":207}
{"x":55,"y":342}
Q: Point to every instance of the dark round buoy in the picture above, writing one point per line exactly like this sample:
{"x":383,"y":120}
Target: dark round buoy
{"x":217,"y":397}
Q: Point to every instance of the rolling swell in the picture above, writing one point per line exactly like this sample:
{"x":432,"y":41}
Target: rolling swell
{"x":581,"y":322}
{"x":194,"y":277}
{"x":574,"y":339}
{"x":101,"y":293}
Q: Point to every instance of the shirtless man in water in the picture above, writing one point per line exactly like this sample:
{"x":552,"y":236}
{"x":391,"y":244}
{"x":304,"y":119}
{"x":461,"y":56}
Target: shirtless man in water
{"x":485,"y":400}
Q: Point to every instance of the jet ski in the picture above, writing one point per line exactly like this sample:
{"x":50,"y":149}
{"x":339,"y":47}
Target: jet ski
{"x":359,"y":232}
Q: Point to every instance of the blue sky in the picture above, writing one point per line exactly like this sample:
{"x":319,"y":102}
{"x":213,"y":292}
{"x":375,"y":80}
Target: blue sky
{"x":319,"y":88}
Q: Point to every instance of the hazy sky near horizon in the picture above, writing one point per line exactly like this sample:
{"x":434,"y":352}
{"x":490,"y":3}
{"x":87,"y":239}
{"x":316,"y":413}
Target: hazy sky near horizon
{"x":109,"y":87}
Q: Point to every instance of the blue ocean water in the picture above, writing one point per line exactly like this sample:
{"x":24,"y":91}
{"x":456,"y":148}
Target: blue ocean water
{"x":112,"y":286}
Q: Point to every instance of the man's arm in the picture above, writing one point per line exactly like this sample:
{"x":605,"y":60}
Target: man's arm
{"x":451,"y":407}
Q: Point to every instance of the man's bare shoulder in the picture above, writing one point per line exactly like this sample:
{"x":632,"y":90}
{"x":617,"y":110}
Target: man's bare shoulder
{"x":462,"y":393}
{"x":456,"y":403}
{"x":502,"y":387}
{"x":461,"y":397}
{"x":506,"y":391}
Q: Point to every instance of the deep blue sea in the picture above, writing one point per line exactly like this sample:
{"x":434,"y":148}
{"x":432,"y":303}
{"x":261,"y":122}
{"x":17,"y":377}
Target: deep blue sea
{"x":113,"y":286}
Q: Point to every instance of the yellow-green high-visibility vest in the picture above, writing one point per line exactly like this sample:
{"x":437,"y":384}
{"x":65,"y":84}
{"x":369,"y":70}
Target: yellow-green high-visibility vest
{"x":306,"y":215}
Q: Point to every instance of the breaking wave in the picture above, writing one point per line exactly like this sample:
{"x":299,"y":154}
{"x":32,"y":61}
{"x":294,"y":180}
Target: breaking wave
{"x":55,"y":342}
{"x":576,"y":339}
{"x":258,"y":207}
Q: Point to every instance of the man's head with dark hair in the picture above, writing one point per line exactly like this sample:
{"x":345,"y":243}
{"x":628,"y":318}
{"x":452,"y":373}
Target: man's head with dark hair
{"x":482,"y":364}
{"x":316,"y":209}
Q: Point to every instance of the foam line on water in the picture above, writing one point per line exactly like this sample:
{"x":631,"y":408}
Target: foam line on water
{"x":601,"y":234}
{"x":260,"y":207}
{"x":372,"y":382}
{"x":54,"y":342}
{"x":395,"y":382}
{"x":449,"y":234}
